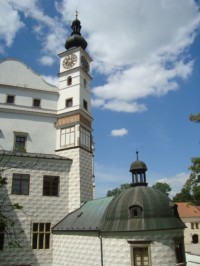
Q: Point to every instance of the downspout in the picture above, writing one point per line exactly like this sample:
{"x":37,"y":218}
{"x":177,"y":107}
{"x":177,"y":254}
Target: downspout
{"x":101,"y":246}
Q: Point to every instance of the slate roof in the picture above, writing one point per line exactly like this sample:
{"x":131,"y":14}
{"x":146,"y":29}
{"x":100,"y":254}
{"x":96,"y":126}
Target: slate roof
{"x":87,"y":218}
{"x":32,"y":155}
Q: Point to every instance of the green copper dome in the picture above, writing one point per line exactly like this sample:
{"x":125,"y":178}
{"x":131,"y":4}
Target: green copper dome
{"x":141,"y":208}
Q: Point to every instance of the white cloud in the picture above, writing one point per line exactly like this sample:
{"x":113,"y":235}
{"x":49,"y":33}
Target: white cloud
{"x":9,"y":24}
{"x":46,"y":60}
{"x":141,"y":46}
{"x":176,"y":182}
{"x":119,"y":132}
{"x":48,"y":30}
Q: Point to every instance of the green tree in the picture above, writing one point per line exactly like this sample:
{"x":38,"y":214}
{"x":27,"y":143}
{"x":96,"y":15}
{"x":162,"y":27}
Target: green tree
{"x":117,"y":191}
{"x":7,"y":222}
{"x":164,"y":187}
{"x":191,"y":189}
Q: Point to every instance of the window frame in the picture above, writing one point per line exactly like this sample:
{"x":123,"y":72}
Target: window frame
{"x":69,"y":102}
{"x":50,"y":189}
{"x":134,"y":245}
{"x":69,"y":81}
{"x":36,"y":100}
{"x":20,"y":146}
{"x":41,"y":237}
{"x":67,"y":137}
{"x":20,"y":184}
{"x":85,"y":104}
{"x":10,"y":96}
{"x":85,"y":138}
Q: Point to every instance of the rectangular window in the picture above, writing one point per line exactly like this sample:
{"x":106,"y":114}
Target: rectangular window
{"x":36,"y":102}
{"x":20,"y":143}
{"x":140,"y":256}
{"x":197,"y":225}
{"x":192,"y":225}
{"x":69,"y":102}
{"x":85,"y":104}
{"x":10,"y":99}
{"x":41,"y":235}
{"x":20,"y":184}
{"x":2,"y":234}
{"x":85,"y":139}
{"x":50,"y":185}
{"x":67,"y":137}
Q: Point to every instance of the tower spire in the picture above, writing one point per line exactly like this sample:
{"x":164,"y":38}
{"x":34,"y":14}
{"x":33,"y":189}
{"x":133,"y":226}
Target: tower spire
{"x":76,"y":40}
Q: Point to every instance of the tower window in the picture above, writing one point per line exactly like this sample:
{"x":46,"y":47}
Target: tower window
{"x":85,"y":139}
{"x":10,"y":99}
{"x":69,"y":102}
{"x":67,"y":137}
{"x":85,"y":83}
{"x":69,"y":81}
{"x":85,"y":104}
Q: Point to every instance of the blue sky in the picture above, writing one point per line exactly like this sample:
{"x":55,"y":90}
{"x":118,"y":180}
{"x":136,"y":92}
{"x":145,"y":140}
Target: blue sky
{"x":146,"y":76}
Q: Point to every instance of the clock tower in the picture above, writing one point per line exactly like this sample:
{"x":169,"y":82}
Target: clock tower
{"x":74,"y":122}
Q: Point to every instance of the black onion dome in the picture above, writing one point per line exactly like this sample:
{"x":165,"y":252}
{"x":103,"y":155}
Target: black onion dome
{"x":76,"y":40}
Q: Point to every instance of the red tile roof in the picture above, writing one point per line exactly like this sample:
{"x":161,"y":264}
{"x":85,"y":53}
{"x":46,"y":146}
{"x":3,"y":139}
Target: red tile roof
{"x":187,"y":210}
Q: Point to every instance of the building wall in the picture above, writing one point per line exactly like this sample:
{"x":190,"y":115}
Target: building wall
{"x":80,"y":176}
{"x":36,"y":208}
{"x":37,"y":127}
{"x":84,"y":249}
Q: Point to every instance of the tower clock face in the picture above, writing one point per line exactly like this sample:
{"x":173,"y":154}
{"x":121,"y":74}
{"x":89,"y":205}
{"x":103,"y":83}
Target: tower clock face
{"x":69,"y":61}
{"x":84,"y":63}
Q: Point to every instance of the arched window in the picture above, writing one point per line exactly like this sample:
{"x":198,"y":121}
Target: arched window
{"x":69,"y":81}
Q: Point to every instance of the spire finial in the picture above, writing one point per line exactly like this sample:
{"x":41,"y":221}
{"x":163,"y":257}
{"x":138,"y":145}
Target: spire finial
{"x":76,"y":12}
{"x":137,"y":155}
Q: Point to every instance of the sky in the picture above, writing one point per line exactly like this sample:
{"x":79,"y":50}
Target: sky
{"x":146,"y":77}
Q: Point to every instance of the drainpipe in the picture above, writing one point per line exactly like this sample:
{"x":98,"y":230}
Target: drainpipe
{"x":101,"y":245}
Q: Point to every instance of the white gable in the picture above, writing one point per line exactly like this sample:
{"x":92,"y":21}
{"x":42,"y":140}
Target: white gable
{"x":15,"y":73}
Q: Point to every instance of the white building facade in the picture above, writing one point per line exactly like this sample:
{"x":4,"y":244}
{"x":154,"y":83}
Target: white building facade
{"x":46,"y":151}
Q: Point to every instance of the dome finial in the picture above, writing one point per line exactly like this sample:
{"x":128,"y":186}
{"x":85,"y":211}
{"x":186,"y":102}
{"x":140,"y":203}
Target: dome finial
{"x":76,"y":12}
{"x":137,"y":155}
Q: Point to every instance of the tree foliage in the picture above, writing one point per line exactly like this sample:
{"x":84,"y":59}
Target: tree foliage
{"x":8,"y":224}
{"x":162,"y":186}
{"x":191,"y":189}
{"x":117,"y":191}
{"x":195,"y":118}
